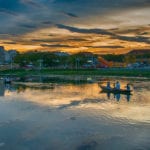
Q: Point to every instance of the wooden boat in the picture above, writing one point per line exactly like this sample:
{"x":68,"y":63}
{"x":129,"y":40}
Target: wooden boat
{"x":115,"y":91}
{"x":7,"y":81}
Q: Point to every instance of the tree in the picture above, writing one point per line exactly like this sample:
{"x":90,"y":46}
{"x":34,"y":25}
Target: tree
{"x":130,"y":59}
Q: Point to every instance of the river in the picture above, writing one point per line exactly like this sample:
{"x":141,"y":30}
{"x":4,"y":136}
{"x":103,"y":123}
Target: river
{"x":74,"y":116}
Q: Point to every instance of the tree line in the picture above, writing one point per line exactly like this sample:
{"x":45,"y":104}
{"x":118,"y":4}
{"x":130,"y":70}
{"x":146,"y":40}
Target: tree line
{"x":50,"y":59}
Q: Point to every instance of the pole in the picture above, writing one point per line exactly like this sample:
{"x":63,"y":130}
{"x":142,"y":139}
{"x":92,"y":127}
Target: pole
{"x":11,"y":63}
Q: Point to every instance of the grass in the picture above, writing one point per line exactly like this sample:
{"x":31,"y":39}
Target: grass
{"x":101,"y":72}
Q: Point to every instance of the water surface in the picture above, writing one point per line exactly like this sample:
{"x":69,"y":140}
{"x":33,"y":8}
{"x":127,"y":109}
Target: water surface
{"x":68,"y":116}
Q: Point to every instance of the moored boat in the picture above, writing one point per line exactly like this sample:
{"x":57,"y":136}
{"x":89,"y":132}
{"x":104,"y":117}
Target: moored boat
{"x":7,"y":80}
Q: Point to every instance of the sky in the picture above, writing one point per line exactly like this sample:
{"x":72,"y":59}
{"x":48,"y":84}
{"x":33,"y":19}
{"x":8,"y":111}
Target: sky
{"x":98,"y":26}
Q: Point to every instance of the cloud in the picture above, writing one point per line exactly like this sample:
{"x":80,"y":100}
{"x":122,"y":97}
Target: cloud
{"x":31,"y":3}
{"x":111,"y":47}
{"x":57,"y":46}
{"x":133,"y":39}
{"x":47,"y":22}
{"x":90,"y":12}
{"x":77,"y":39}
{"x":46,"y":40}
{"x":27,"y":26}
{"x":78,"y":22}
{"x":70,"y":14}
{"x":8,"y":12}
{"x":9,"y":43}
{"x":105,"y":32}
{"x":82,"y":30}
{"x":144,"y":33}
{"x":58,"y":40}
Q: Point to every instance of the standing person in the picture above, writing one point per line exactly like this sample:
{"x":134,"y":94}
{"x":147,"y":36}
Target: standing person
{"x":117,"y":85}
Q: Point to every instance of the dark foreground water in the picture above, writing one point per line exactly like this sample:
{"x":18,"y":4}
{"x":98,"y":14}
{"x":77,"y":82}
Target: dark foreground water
{"x":59,"y":116}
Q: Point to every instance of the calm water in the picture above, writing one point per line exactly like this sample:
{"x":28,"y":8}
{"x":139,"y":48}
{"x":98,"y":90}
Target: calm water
{"x":59,"y":116}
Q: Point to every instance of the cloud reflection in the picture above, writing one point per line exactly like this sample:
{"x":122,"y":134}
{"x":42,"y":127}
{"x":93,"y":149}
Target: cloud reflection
{"x":87,"y":97}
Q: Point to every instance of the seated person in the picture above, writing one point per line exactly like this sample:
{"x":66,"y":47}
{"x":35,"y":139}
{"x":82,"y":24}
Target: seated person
{"x":128,"y":87}
{"x":117,"y":85}
{"x":108,"y":85}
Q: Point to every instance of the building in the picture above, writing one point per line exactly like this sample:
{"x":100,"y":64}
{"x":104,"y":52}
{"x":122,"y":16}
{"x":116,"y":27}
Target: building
{"x":2,"y":55}
{"x":6,"y":57}
{"x":61,"y":54}
{"x":9,"y":55}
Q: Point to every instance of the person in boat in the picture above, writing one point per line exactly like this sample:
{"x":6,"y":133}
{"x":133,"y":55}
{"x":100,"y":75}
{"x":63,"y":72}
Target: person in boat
{"x":117,"y":85}
{"x":128,"y":87}
{"x":108,"y":85}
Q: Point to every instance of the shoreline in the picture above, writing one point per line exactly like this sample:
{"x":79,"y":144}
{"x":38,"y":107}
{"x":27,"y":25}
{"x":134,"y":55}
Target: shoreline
{"x":106,"y":73}
{"x":84,"y":73}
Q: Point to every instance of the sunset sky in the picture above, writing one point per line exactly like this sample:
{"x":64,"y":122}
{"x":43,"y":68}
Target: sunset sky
{"x":99,"y":26}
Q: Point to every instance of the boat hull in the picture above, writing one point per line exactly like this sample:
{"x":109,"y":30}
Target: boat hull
{"x":7,"y":82}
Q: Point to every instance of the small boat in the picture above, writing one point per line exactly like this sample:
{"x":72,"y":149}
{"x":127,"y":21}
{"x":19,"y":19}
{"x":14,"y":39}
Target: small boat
{"x":115,"y":91}
{"x":7,"y":81}
{"x":90,"y":80}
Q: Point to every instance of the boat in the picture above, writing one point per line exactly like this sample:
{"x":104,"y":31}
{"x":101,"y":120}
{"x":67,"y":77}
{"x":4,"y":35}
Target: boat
{"x":115,"y":91}
{"x":90,"y":80}
{"x":7,"y":81}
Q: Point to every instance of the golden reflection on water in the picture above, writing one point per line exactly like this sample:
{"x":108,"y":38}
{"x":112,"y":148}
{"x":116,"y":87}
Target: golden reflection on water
{"x":77,"y":97}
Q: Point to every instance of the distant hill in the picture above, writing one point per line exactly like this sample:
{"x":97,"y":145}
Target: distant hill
{"x":139,"y":52}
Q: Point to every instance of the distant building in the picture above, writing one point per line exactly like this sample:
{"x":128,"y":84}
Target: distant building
{"x":9,"y":55}
{"x":2,"y":55}
{"x":57,"y":53}
{"x":6,"y":56}
{"x":86,"y":54}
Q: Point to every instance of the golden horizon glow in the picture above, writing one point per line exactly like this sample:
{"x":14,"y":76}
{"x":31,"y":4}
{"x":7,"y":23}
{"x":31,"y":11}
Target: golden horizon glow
{"x":102,"y":27}
{"x":62,"y":96}
{"x":66,"y":41}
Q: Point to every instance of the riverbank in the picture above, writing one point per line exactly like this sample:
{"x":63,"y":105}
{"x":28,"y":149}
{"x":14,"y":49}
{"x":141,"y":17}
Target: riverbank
{"x":92,"y":72}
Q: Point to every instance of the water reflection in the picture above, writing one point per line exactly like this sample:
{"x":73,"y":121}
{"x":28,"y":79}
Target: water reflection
{"x":6,"y":88}
{"x":68,"y":96}
{"x":73,"y":116}
{"x":66,"y":91}
{"x":118,"y":96}
{"x":2,"y":88}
